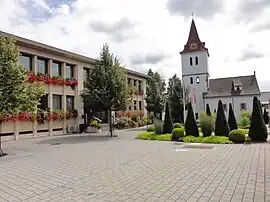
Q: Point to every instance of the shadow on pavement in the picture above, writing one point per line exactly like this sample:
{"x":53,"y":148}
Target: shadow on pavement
{"x":75,"y":139}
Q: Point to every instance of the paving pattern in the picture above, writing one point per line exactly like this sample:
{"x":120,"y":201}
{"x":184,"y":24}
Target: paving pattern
{"x":88,"y":168}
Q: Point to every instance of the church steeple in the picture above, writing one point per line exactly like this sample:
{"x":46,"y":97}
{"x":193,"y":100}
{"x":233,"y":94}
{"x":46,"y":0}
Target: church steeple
{"x":194,"y":43}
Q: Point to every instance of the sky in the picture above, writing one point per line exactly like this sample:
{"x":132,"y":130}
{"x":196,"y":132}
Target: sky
{"x":150,"y":34}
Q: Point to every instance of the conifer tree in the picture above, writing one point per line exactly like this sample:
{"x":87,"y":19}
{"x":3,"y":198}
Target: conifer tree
{"x":221,"y":127}
{"x":168,"y":125}
{"x":232,"y":120}
{"x":208,"y":112}
{"x":191,"y":127}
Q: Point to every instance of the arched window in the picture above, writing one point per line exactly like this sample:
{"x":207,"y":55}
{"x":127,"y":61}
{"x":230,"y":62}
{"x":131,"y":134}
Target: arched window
{"x":196,"y":60}
{"x":191,"y":80}
{"x":190,"y":61}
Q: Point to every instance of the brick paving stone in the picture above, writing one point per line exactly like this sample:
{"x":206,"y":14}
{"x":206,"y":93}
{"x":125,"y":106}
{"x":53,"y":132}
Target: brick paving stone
{"x":124,"y":169}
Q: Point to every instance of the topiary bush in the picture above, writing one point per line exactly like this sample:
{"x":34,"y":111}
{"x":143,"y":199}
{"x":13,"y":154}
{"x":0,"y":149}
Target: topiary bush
{"x":177,"y":125}
{"x":237,"y":136}
{"x":206,"y":125}
{"x":168,"y":125}
{"x":221,"y":127}
{"x":158,"y":127}
{"x":232,"y":120}
{"x":151,"y":128}
{"x":208,"y":112}
{"x":265,"y":116}
{"x":178,"y":133}
{"x":257,"y":130}
{"x":191,"y":127}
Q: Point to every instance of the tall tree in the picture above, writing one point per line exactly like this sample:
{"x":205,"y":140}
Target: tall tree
{"x":257,"y":130}
{"x":155,"y":93}
{"x":168,"y":125}
{"x":106,"y":86}
{"x":191,"y":127}
{"x":175,"y":99}
{"x":221,"y":127}
{"x":208,"y":112}
{"x":266,"y":116}
{"x":16,"y":95}
{"x":232,"y":120}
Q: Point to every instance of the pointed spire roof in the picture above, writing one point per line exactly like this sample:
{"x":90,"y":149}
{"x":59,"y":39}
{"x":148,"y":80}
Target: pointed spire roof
{"x":194,"y":43}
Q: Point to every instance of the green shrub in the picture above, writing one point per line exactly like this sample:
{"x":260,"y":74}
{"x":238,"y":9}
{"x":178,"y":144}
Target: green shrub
{"x":151,"y":128}
{"x":141,"y":123}
{"x":244,"y":122}
{"x":134,"y":118}
{"x":177,"y":125}
{"x":246,"y":114}
{"x":168,"y":125}
{"x":232,"y":120}
{"x":158,"y":126}
{"x":178,"y":133}
{"x":237,"y":136}
{"x":257,"y":130}
{"x":206,"y":125}
{"x":209,"y":140}
{"x":95,"y":123}
{"x":153,"y":136}
{"x":221,"y":127}
{"x":191,"y":127}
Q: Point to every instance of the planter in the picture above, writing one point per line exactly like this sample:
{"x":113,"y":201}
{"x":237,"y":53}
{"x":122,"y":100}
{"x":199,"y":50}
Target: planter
{"x":90,"y":129}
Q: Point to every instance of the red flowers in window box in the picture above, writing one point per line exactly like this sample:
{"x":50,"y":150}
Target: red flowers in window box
{"x":32,"y":77}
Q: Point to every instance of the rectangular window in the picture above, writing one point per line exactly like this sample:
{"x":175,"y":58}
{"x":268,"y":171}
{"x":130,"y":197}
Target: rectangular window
{"x":86,"y":74}
{"x":140,"y":86}
{"x":140,"y":105}
{"x":196,"y":116}
{"x":198,"y":79}
{"x":196,"y":60}
{"x":243,"y":106}
{"x":225,"y":107}
{"x":135,"y":105}
{"x":129,"y":108}
{"x":57,"y":102}
{"x":191,"y":80}
{"x":42,"y":66}
{"x":129,"y":81}
{"x":190,"y":61}
{"x":44,"y":102}
{"x":69,"y":71}
{"x":70,"y":102}
{"x":26,"y":61}
{"x":135,"y":82}
{"x":56,"y":69}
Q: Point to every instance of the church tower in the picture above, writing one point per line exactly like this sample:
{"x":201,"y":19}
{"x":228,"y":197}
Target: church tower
{"x":195,"y":74}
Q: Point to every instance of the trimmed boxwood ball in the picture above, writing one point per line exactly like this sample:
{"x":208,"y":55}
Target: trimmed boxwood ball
{"x":177,"y":125}
{"x":151,"y":128}
{"x":237,"y":136}
{"x":177,"y":133}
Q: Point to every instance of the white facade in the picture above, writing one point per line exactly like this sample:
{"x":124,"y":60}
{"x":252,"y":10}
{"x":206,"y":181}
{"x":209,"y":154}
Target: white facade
{"x":239,"y":104}
{"x":195,"y":77}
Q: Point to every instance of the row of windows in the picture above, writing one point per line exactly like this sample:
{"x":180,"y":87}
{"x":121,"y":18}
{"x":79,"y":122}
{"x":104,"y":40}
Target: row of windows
{"x":191,"y":61}
{"x":135,"y":83}
{"x":243,"y":106}
{"x":135,"y":105}
{"x":197,"y":80}
{"x":57,"y":102}
{"x":43,"y":66}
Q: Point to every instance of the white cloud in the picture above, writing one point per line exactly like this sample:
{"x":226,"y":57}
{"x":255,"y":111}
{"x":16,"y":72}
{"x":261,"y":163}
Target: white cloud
{"x":155,"y":30}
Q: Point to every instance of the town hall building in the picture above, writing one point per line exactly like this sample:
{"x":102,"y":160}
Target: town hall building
{"x":239,"y":91}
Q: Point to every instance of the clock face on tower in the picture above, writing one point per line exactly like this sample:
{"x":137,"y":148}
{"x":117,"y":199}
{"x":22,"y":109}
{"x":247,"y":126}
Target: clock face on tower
{"x":193,"y":46}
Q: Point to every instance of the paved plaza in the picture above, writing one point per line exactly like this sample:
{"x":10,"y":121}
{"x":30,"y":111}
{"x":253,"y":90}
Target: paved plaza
{"x":90,"y":168}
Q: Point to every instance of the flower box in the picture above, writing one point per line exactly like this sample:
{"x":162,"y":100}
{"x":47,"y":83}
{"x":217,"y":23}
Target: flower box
{"x":91,"y":129}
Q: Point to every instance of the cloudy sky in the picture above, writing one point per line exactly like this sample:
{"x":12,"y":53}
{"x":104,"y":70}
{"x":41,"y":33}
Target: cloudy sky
{"x":150,"y":34}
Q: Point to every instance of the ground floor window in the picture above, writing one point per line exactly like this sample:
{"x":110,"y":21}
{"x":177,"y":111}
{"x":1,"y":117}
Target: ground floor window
{"x":57,"y":102}
{"x":243,"y":106}
{"x":70,"y":102}
{"x":43,"y":103}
